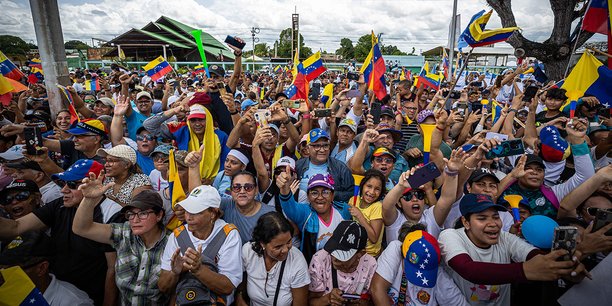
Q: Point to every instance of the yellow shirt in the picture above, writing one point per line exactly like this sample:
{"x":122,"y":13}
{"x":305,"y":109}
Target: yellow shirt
{"x":372,"y":212}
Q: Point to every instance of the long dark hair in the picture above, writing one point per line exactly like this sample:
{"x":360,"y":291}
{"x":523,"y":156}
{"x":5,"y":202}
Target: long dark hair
{"x":373,"y":173}
{"x":269,"y":226}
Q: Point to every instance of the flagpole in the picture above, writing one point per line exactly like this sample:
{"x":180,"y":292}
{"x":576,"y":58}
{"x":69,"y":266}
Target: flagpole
{"x":569,"y":62}
{"x":467,"y":58}
{"x":451,"y":45}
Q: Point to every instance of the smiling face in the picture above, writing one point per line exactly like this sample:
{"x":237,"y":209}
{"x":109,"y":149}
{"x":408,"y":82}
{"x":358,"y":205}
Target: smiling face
{"x":533,"y":178}
{"x":63,"y":120}
{"x":144,"y":105}
{"x":483,"y":228}
{"x":102,"y":109}
{"x":198,"y":125}
{"x":278,"y":248}
{"x":86,"y":142}
{"x":319,"y":151}
{"x":320,"y":199}
{"x":247,"y":192}
{"x":372,"y":190}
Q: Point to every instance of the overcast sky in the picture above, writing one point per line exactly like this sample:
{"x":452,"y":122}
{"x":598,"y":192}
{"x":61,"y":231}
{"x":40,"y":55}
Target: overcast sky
{"x":422,"y":24}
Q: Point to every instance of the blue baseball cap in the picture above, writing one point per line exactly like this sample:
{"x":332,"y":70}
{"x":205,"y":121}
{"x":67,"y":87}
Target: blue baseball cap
{"x":79,"y":170}
{"x":421,"y":259}
{"x":247,"y":103}
{"x":475,"y":203}
{"x":316,"y":134}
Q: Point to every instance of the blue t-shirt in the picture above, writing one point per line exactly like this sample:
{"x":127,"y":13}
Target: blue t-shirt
{"x":345,"y":154}
{"x":244,"y":224}
{"x":223,"y":183}
{"x":134,"y":122}
{"x":145,"y":163}
{"x":312,"y":170}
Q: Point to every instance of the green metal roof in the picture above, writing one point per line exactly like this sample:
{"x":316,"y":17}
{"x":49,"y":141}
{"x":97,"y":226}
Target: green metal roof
{"x":175,"y":33}
{"x":164,"y":39}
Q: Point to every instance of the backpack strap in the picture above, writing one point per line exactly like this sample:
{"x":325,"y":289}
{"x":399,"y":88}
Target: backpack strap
{"x":182,"y":238}
{"x":280,"y":280}
{"x":212,"y":249}
{"x":335,"y":278}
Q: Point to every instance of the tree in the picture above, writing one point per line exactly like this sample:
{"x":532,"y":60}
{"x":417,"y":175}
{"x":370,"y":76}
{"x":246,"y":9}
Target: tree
{"x":554,"y":52}
{"x":262,"y":50}
{"x":13,"y":46}
{"x":363,"y":46}
{"x":76,"y":44}
{"x":347,"y":51}
{"x":391,"y":50}
{"x":284,"y":45}
{"x":32,"y":46}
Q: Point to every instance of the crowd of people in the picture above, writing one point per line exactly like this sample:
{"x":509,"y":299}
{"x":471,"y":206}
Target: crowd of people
{"x":286,"y":204}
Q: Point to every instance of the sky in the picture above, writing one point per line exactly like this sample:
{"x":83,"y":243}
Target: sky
{"x":422,"y":24}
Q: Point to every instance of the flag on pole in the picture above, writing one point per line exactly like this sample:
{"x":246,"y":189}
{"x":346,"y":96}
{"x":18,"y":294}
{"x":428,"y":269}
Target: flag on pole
{"x":589,"y":76}
{"x":157,"y":68}
{"x":597,"y":17}
{"x":93,"y":84}
{"x":35,"y":63}
{"x":199,"y":69}
{"x":8,"y":69}
{"x":74,"y":117}
{"x":445,"y":64}
{"x":475,"y":35}
{"x":312,"y":67}
{"x":496,"y":110}
{"x":197,"y":35}
{"x":374,"y":70}
{"x":429,"y":79}
{"x":328,"y":93}
{"x":278,"y":69}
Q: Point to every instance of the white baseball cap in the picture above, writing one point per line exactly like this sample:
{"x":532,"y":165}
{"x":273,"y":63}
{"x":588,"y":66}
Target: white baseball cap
{"x":13,"y":153}
{"x":284,"y":161}
{"x":200,"y":199}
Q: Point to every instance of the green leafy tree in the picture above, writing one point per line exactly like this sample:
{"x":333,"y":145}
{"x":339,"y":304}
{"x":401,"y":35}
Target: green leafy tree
{"x":13,"y":45}
{"x":76,"y":44}
{"x":262,"y":50}
{"x":391,"y":50}
{"x":284,"y":45}
{"x":363,"y":46}
{"x":347,"y":51}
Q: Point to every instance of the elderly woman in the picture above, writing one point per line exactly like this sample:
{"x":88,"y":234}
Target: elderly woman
{"x":277,"y":273}
{"x":139,"y":241}
{"x":191,"y":257}
{"x":122,"y":170}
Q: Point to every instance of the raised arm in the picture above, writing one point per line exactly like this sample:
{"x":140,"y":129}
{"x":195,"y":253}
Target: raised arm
{"x":237,"y":67}
{"x":449,"y":189}
{"x":116,"y":128}
{"x":83,"y":225}
{"x":356,"y":162}
{"x":389,"y":211}
{"x":570,"y":202}
{"x":79,"y":105}
{"x":263,"y":178}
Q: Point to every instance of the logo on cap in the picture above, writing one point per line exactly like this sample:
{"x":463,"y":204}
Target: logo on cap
{"x":351,"y":238}
{"x":214,"y":67}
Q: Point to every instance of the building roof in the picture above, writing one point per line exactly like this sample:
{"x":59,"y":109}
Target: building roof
{"x":147,"y":43}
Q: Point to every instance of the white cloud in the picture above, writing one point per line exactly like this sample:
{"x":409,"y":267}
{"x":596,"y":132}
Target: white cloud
{"x":407,"y":24}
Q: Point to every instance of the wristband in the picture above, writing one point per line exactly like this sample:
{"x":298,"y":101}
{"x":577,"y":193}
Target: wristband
{"x":471,"y":169}
{"x":439,"y":129}
{"x":450,"y":173}
{"x":306,"y":116}
{"x":513,"y":110}
{"x":233,"y":113}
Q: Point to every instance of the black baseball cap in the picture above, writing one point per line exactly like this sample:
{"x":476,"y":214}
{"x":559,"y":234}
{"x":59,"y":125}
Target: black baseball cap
{"x":26,"y":247}
{"x":216,"y":70}
{"x":147,"y":199}
{"x":32,"y":165}
{"x":386,"y":111}
{"x":533,"y":159}
{"x":481,"y":173}
{"x":23,"y":185}
{"x":475,"y":203}
{"x":348,"y":238}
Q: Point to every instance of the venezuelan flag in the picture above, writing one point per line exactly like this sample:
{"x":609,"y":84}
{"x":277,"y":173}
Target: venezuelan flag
{"x":475,"y":35}
{"x":496,"y":110}
{"x":328,"y":93}
{"x":278,"y":69}
{"x":299,"y":88}
{"x":589,"y":76}
{"x":199,"y":69}
{"x":312,"y":67}
{"x":429,"y":79}
{"x":177,"y":193}
{"x":74,"y":117}
{"x":597,"y":17}
{"x":8,"y":69}
{"x":18,"y":289}
{"x":35,"y":63}
{"x":374,"y":69}
{"x":157,"y":68}
{"x":92,"y":84}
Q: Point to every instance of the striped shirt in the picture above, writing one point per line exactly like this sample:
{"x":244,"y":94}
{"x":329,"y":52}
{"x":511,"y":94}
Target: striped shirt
{"x":137,"y":269}
{"x":407,"y":131}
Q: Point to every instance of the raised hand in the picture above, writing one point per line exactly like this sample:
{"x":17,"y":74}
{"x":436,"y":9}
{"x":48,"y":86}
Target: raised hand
{"x":370,"y":135}
{"x":519,"y":169}
{"x":283,"y":181}
{"x":92,"y":187}
{"x":295,"y":186}
{"x":122,"y":106}
{"x":456,"y":160}
{"x":193,"y":158}
{"x":576,"y":130}
{"x":261,"y":135}
{"x":403,"y":179}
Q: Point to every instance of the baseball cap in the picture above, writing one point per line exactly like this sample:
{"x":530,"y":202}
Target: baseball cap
{"x":348,"y":238}
{"x":196,"y":111}
{"x":38,"y":114}
{"x":387,"y":111}
{"x":475,"y":203}
{"x":200,"y":199}
{"x":316,"y":134}
{"x":304,"y":138}
{"x":481,"y":173}
{"x":79,"y":170}
{"x":553,"y":148}
{"x":163,"y":148}
{"x":23,"y":185}
{"x":144,"y":200}
{"x":144,"y":94}
{"x":13,"y":153}
{"x":247,"y":103}
{"x":121,"y":151}
{"x":350,"y":123}
{"x":216,"y":70}
{"x":200,"y":97}
{"x":385,"y":127}
{"x":532,"y":159}
{"x":286,"y":161}
{"x":25,"y":164}
{"x":384,"y":151}
{"x":321,"y":180}
{"x":421,"y":259}
{"x":89,"y":126}
{"x":106,"y":101}
{"x":424,"y":114}
{"x":26,"y":247}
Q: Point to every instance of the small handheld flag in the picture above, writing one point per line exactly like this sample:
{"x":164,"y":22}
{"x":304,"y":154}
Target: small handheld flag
{"x":157,"y":68}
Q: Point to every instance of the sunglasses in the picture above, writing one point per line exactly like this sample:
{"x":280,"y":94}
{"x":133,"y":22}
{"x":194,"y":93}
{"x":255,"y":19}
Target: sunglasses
{"x":386,"y":160}
{"x":71,"y":184}
{"x":148,"y":137}
{"x":20,"y":196}
{"x":592,"y":211}
{"x":420,"y":195}
{"x":247,"y":187}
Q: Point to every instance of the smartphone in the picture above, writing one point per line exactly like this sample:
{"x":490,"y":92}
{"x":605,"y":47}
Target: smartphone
{"x":230,"y":40}
{"x":221,"y":88}
{"x":455,"y":94}
{"x":353,"y":93}
{"x":34,"y":140}
{"x":353,"y":76}
{"x":375,"y":112}
{"x":348,"y":296}
{"x":322,"y":113}
{"x":506,"y":148}
{"x":461,"y":108}
{"x":290,"y":103}
{"x":603,"y":218}
{"x":501,"y":137}
{"x":262,"y":117}
{"x":423,"y":175}
{"x":530,"y":92}
{"x":565,"y":239}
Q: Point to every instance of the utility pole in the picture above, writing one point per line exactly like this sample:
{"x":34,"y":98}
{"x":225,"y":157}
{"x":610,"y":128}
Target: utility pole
{"x":49,"y":36}
{"x":451,"y":43}
{"x":254,"y":31}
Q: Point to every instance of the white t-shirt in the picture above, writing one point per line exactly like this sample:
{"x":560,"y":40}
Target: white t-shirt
{"x":391,"y":268}
{"x":50,"y":192}
{"x":109,"y":209}
{"x":602,"y":162}
{"x":61,"y":293}
{"x":427,"y":218}
{"x":455,"y":213}
{"x":157,"y":181}
{"x":261,"y":282}
{"x":510,"y":248}
{"x":230,"y":258}
{"x":326,"y":230}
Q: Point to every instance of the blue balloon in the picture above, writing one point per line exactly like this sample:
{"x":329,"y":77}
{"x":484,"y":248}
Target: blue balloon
{"x":539,"y":231}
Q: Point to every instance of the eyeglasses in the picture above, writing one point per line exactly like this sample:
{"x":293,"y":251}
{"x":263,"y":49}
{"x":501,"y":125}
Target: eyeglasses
{"x":319,"y":147}
{"x":71,"y":184}
{"x":420,"y":194}
{"x":89,"y":100}
{"x":162,"y":160}
{"x":592,"y":211}
{"x":21,"y":196}
{"x":148,"y":137}
{"x":141,"y":214}
{"x":326,"y":193}
{"x":386,"y":160}
{"x":143,"y":101}
{"x":248,"y":187}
